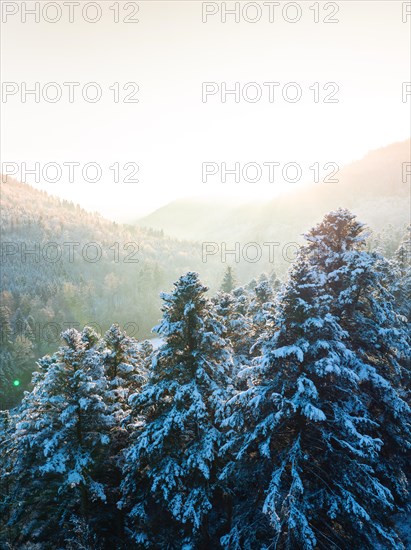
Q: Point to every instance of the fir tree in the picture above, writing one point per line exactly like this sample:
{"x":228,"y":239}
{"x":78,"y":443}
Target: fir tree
{"x":62,"y":429}
{"x":356,"y":281}
{"x":16,"y":361}
{"x":229,"y":282}
{"x":170,"y":483}
{"x":123,"y":360}
{"x":261,"y":312}
{"x":274,"y":281}
{"x":5,"y":327}
{"x":400,"y":276}
{"x":7,"y":373}
{"x":6,"y":492}
{"x":233,"y":310}
{"x":309,"y":430}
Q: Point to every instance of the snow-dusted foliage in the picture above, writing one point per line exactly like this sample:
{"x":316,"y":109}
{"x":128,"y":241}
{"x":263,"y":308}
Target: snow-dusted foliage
{"x":170,"y":480}
{"x":125,"y":362}
{"x":233,"y":310}
{"x":263,"y":418}
{"x":323,"y":407}
{"x":67,"y":437}
{"x":400,"y":276}
{"x":377,"y":331}
{"x":61,"y":431}
{"x":261,"y":311}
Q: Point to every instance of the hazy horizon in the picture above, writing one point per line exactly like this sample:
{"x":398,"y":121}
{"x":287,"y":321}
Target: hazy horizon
{"x":170,"y":132}
{"x":225,"y":199}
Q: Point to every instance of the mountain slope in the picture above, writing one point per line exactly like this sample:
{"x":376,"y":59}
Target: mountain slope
{"x":372,"y":187}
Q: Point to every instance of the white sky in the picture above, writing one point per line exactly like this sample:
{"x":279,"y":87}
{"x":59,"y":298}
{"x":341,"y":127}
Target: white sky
{"x":169,"y":53}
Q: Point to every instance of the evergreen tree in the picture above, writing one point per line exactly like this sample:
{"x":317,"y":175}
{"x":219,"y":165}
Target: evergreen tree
{"x":7,"y":389}
{"x":124,"y":361}
{"x":62,"y":430}
{"x":400,"y":276}
{"x":261,"y":312}
{"x":232,"y":308}
{"x":170,"y":475}
{"x":23,"y":360}
{"x":6,"y":433}
{"x":16,"y":361}
{"x":5,"y":327}
{"x":356,"y":281}
{"x":241,"y":301}
{"x":229,"y":282}
{"x":312,"y":435}
{"x":123,"y":366}
{"x":274,"y":281}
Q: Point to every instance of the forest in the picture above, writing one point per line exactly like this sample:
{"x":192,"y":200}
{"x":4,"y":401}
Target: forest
{"x":272,"y":415}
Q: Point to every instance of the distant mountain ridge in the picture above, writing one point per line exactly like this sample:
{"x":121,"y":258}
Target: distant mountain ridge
{"x":372,"y":187}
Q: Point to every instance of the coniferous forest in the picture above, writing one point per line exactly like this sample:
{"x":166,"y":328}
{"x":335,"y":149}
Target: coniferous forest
{"x":205,"y":275}
{"x":271,"y":415}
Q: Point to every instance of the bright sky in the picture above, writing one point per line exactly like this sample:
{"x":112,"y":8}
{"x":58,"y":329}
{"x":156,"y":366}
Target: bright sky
{"x":170,"y":132}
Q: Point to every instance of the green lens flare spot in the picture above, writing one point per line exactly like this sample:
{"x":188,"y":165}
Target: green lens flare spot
{"x":16,"y":382}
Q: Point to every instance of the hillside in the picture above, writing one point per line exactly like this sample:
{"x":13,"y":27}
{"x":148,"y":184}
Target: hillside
{"x":65,"y":267}
{"x":372,"y":187}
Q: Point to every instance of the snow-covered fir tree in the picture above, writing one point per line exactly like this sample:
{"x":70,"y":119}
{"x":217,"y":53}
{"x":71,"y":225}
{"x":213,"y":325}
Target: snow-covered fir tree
{"x":62,"y":431}
{"x":274,"y":281}
{"x":261,"y":311}
{"x":307,"y":431}
{"x":170,"y":475}
{"x":377,"y":332}
{"x":123,"y":360}
{"x":7,"y":428}
{"x":233,"y":310}
{"x":400,"y":274}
